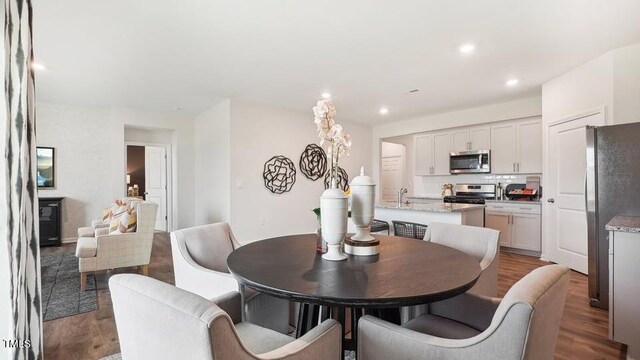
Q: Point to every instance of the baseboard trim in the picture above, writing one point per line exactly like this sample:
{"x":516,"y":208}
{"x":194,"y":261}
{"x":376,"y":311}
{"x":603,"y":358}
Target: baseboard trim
{"x":69,"y":240}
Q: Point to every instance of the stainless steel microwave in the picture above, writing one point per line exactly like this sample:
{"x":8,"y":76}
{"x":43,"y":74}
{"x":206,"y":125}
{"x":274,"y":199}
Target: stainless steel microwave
{"x":470,"y":162}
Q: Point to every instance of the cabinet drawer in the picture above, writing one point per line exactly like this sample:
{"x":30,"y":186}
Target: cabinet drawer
{"x":514,"y":208}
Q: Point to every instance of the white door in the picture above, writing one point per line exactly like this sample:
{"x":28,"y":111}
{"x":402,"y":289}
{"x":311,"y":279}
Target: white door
{"x":564,"y":202}
{"x":460,"y":140}
{"x":503,"y":148}
{"x":423,"y":155}
{"x":529,"y":147}
{"x":155,"y":165}
{"x":499,"y":221}
{"x":441,"y":151}
{"x":392,"y":177}
{"x":480,"y":138}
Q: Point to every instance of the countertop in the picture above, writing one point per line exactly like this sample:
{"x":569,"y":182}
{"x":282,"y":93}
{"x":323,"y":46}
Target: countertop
{"x":433,"y":207}
{"x":536,"y":202}
{"x":624,"y":224}
{"x":425,"y":197}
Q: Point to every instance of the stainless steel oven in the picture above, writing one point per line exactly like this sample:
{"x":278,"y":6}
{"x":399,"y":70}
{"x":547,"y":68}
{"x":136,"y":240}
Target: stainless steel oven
{"x":470,"y":162}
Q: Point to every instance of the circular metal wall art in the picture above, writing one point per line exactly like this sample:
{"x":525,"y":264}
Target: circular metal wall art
{"x":313,"y":162}
{"x":342,"y":179}
{"x":279,"y":174}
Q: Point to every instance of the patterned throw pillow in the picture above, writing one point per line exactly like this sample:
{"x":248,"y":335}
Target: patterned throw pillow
{"x":114,"y":210}
{"x":124,"y":223}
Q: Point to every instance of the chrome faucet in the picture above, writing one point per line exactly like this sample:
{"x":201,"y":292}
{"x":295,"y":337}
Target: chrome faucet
{"x":401,"y":192}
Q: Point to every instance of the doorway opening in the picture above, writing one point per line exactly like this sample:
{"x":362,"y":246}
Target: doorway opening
{"x":147,"y":177}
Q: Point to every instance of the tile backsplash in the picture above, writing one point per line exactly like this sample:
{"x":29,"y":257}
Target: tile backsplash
{"x":432,"y":185}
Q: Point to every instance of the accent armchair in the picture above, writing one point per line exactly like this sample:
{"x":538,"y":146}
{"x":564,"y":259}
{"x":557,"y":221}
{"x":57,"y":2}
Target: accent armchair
{"x":200,"y":266}
{"x":104,"y":251}
{"x":522,"y":325}
{"x":158,"y":321}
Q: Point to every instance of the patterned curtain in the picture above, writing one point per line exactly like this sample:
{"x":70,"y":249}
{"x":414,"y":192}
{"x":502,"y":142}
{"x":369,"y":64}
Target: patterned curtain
{"x":20,"y":201}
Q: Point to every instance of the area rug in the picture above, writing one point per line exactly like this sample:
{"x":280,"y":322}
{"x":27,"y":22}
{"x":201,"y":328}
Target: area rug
{"x":61,"y":295}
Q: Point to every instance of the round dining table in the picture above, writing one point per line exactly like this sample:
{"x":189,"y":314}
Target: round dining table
{"x":406,"y":272}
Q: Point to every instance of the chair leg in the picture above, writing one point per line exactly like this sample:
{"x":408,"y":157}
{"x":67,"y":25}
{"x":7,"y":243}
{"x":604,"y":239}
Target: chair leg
{"x":145,"y":270}
{"x":83,"y":281}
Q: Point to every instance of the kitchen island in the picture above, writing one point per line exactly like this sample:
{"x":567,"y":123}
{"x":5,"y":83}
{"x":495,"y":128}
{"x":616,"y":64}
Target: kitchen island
{"x":462,"y":214}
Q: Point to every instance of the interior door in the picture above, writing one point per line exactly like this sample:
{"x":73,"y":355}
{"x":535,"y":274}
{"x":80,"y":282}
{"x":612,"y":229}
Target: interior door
{"x":156,"y":182}
{"x":441,"y":151}
{"x":392,"y":176}
{"x":503,"y":148}
{"x":566,"y":221}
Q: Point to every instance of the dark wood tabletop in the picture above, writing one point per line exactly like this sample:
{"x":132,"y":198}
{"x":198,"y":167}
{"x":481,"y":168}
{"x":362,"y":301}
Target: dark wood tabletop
{"x":406,"y":272}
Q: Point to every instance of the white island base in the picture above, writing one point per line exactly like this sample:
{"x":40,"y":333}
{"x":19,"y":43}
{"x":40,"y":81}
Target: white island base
{"x":461,"y":214}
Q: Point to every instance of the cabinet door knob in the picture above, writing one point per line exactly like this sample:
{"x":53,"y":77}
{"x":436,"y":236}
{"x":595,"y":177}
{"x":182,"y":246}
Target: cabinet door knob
{"x":514,"y":167}
{"x":551,"y":200}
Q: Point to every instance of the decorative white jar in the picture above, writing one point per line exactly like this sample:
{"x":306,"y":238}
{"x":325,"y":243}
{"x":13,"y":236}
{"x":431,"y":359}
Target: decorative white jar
{"x":363,"y":196}
{"x":334,"y":206}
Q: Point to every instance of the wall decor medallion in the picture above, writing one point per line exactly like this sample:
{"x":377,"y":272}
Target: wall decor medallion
{"x":313,"y":162}
{"x":341,"y":178}
{"x":279,"y":174}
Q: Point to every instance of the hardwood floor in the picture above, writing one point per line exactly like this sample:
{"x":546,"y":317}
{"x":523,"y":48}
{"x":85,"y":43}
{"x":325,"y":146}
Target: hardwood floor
{"x":583,"y":331}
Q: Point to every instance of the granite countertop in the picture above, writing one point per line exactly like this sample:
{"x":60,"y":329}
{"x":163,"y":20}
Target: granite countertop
{"x":527,"y":202}
{"x":624,"y":224}
{"x":433,"y":207}
{"x":433,"y":197}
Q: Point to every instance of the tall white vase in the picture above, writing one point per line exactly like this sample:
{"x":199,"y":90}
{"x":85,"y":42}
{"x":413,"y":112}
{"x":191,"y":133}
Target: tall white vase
{"x":334,"y":206}
{"x":363,"y":193}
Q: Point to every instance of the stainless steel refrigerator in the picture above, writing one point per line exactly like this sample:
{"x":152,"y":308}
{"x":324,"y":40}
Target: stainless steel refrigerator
{"x":612,"y":187}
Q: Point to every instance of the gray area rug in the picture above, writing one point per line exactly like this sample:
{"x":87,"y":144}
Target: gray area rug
{"x":61,"y":295}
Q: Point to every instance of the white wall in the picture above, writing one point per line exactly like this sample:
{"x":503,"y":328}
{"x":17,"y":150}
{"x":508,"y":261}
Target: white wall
{"x":259,"y":132}
{"x":626,"y":84}
{"x":212,"y":164}
{"x":90,"y":153}
{"x":582,"y":89}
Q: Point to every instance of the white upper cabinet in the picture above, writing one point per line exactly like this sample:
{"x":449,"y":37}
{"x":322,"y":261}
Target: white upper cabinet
{"x":529,"y":147}
{"x":516,"y":147}
{"x":423,"y":155}
{"x":503,"y":148}
{"x":460,"y":140}
{"x":441,"y":151}
{"x":480,"y":138}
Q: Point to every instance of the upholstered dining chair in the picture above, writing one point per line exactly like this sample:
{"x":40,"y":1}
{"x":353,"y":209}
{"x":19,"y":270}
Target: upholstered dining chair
{"x":156,"y":320}
{"x":522,"y":325}
{"x":480,"y":243}
{"x":200,"y":266}
{"x":104,"y":251}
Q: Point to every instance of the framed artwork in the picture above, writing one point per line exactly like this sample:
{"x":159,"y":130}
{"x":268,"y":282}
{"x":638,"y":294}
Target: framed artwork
{"x":46,"y":167}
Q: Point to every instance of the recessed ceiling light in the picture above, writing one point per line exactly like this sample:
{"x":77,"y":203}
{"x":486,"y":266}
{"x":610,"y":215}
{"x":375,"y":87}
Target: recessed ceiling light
{"x":467,"y":48}
{"x":512,"y":82}
{"x":37,"y":66}
{"x":384,"y":111}
{"x":326,"y":95}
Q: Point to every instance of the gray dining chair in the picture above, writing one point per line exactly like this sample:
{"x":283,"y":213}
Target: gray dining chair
{"x":156,"y":320}
{"x":522,"y":325}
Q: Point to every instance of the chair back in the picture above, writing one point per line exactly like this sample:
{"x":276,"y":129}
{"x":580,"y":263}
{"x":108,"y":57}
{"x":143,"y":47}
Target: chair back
{"x":531,"y":311}
{"x":481,"y":243}
{"x":156,"y":320}
{"x":208,"y":245}
{"x":146,"y":212}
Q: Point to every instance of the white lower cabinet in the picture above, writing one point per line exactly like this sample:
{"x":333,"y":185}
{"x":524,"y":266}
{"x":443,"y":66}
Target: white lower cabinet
{"x":519,"y":225}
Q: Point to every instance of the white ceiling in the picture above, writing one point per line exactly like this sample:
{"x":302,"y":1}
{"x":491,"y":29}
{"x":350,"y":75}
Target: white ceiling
{"x":162,"y":54}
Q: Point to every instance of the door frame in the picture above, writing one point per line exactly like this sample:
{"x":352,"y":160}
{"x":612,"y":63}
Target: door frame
{"x":545,"y":168}
{"x":172,"y":212}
